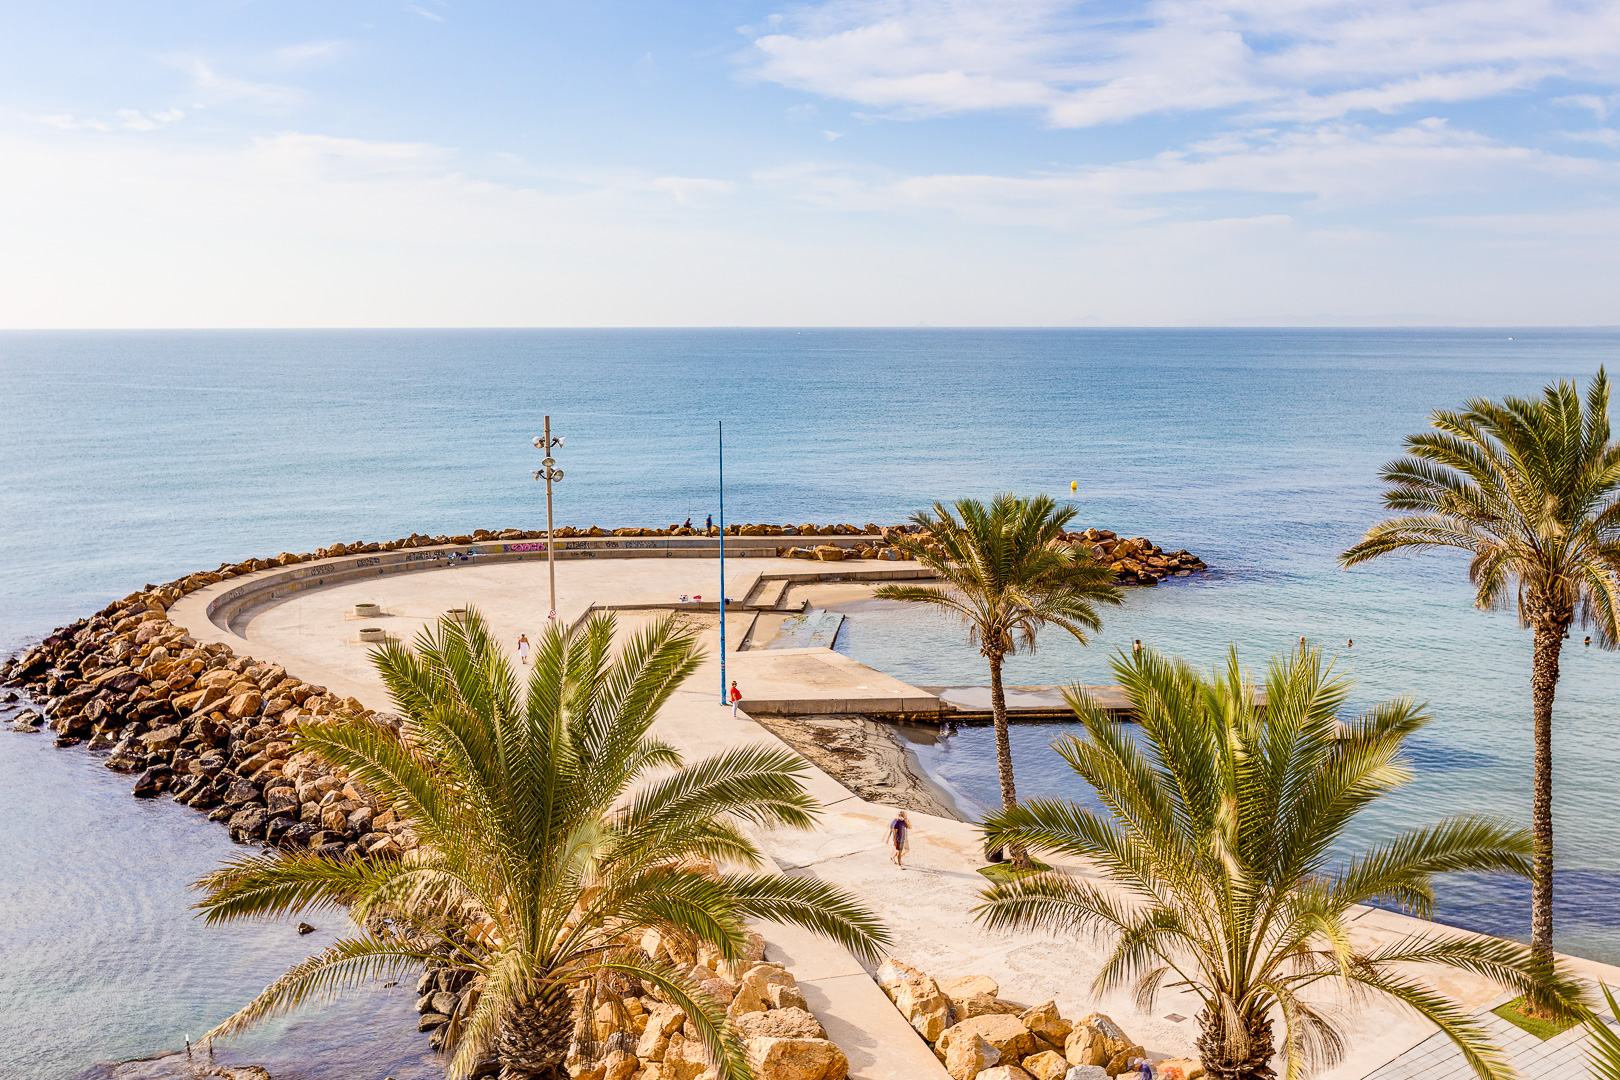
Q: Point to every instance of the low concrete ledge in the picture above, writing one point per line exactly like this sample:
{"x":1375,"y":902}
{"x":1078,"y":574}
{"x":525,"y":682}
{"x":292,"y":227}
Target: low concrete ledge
{"x":228,"y":599}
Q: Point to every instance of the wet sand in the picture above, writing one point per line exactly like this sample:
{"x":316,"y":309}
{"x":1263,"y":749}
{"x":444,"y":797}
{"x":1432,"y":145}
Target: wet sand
{"x":867,"y":757}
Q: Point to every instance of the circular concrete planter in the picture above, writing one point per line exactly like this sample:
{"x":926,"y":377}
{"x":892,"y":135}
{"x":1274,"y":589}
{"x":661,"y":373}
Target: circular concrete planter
{"x":457,"y":614}
{"x":373,"y":633}
{"x":368,"y":611}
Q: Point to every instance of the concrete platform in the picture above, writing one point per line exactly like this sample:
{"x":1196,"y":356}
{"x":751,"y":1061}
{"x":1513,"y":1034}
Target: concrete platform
{"x":928,"y":905}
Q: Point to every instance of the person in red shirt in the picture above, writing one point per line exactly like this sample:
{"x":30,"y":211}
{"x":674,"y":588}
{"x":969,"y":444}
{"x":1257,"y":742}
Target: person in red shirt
{"x":736,"y":696}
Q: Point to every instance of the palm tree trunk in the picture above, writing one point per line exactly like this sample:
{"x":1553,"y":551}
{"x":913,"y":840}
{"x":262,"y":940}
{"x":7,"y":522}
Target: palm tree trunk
{"x":1543,"y":685}
{"x":534,"y":1039}
{"x":1225,"y":1058}
{"x":1004,"y":766}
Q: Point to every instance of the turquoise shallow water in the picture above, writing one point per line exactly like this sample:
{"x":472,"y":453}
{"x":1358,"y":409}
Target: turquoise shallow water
{"x":135,"y":457}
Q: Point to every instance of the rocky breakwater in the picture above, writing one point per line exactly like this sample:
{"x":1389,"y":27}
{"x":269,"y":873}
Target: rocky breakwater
{"x":1136,"y":560}
{"x":213,"y":730}
{"x":218,"y":732}
{"x":628,"y":1030}
{"x":980,"y":1036}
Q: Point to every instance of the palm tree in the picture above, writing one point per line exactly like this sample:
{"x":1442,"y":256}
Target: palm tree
{"x":1008,"y":573}
{"x":1531,"y":490}
{"x":553,"y":835}
{"x":1223,"y":828}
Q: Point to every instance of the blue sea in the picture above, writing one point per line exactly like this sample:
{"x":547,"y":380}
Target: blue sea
{"x":128,"y":458}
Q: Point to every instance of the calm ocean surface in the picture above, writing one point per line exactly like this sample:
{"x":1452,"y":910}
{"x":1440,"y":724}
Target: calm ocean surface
{"x":128,"y":458}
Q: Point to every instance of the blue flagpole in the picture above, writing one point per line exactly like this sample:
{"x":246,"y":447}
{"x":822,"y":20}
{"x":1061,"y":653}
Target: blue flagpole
{"x":723,"y":694}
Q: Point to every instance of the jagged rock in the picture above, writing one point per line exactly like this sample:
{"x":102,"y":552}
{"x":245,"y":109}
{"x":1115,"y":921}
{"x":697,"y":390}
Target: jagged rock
{"x":1095,"y":1040}
{"x":917,"y":997}
{"x":28,"y":722}
{"x":790,"y":1023}
{"x":966,"y":1058}
{"x":430,"y":1020}
{"x":969,"y":986}
{"x":248,"y":824}
{"x":1006,"y":1033}
{"x":1046,"y":1065}
{"x":1086,"y":1072}
{"x":753,"y":991}
{"x":786,"y":997}
{"x":1044,"y":1021}
{"x":797,"y":1059}
{"x":1122,"y":1061}
{"x":1004,"y":1072}
{"x":152,"y":781}
{"x":662,"y":1022}
{"x":240,"y":792}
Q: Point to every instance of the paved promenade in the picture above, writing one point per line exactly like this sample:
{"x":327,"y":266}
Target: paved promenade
{"x":928,"y":905}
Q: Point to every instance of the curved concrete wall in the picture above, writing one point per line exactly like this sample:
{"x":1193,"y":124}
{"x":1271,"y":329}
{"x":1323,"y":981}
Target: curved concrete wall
{"x":231,"y":597}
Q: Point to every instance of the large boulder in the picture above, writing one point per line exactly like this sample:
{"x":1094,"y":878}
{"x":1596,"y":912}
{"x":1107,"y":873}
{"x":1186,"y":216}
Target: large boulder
{"x":1125,"y":1059}
{"x":662,"y":1022}
{"x":917,"y":997}
{"x":1046,"y":1065}
{"x":248,"y":824}
{"x":753,"y":991}
{"x":1095,"y":1040}
{"x":1045,"y":1022}
{"x":966,"y":1058}
{"x":797,"y":1059}
{"x":791,"y":1023}
{"x":1006,"y":1033}
{"x":970,"y":985}
{"x":152,"y":781}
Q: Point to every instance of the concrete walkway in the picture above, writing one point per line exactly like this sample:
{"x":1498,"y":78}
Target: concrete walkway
{"x":928,"y":905}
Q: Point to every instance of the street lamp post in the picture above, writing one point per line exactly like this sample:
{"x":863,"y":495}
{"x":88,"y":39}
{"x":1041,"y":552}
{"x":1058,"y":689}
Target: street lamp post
{"x":550,"y":474}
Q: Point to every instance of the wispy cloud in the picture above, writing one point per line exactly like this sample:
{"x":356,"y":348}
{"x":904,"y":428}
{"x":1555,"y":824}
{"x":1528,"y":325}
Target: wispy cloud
{"x":1078,"y":67}
{"x":424,"y":12}
{"x":212,"y":86}
{"x":128,"y":119}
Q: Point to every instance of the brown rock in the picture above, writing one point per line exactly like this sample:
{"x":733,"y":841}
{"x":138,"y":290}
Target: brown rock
{"x":982,"y":1005}
{"x":790,"y":1023}
{"x":244,"y":705}
{"x":1122,"y":1061}
{"x":753,"y":991}
{"x":917,"y":997}
{"x":797,"y":1059}
{"x":662,"y":1022}
{"x":966,"y":1058}
{"x":1046,"y":1065}
{"x":1095,"y":1040}
{"x":1045,"y":1022}
{"x":829,"y":553}
{"x":1006,"y":1033}
{"x":969,"y":985}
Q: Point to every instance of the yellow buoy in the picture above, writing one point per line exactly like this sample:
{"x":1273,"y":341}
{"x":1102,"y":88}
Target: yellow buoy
{"x":1074,"y":485}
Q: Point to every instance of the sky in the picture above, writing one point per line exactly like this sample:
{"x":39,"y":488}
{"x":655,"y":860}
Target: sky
{"x":249,"y":163}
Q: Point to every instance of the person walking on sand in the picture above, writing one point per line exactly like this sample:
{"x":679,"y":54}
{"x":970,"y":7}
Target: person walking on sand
{"x":736,"y":696}
{"x":523,"y":648}
{"x":899,"y":839}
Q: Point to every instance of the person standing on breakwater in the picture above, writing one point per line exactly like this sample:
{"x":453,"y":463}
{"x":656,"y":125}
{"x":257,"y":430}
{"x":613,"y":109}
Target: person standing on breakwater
{"x":736,"y":696}
{"x":523,"y":648}
{"x":708,"y":523}
{"x":899,"y":837}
